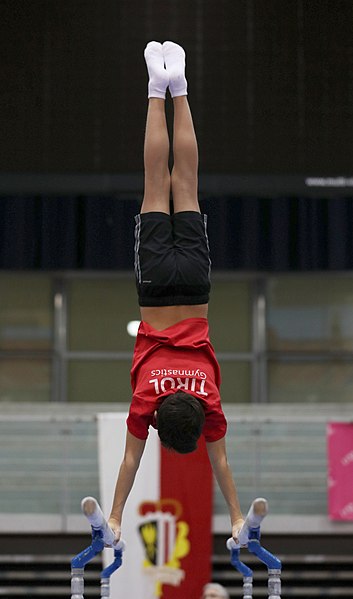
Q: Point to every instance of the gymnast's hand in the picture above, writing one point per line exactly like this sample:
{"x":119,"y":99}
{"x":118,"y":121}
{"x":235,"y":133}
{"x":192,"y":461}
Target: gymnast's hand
{"x":236,"y":528}
{"x":116,"y":528}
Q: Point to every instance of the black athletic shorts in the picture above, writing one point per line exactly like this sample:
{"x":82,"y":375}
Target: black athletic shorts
{"x":172,"y":262}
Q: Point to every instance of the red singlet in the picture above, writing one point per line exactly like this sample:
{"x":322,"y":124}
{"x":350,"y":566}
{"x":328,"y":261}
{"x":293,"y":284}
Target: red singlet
{"x":180,"y":357}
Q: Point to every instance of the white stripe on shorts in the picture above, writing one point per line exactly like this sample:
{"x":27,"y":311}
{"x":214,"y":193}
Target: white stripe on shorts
{"x":208,"y":245}
{"x":137,"y":248}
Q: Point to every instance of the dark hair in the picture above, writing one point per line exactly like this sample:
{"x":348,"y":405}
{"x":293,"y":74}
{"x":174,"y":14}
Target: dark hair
{"x":180,"y":419}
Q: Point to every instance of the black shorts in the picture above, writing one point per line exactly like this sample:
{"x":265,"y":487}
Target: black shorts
{"x":172,"y":262}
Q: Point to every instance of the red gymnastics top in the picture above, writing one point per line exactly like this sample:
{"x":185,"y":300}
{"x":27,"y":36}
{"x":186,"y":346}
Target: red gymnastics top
{"x":180,"y":357}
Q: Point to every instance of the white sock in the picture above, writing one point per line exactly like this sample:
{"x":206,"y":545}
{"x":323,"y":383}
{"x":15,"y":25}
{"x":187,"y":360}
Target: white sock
{"x":174,"y":58}
{"x":158,"y":77}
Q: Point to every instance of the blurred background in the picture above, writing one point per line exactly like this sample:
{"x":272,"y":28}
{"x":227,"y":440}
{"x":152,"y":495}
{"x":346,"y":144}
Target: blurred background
{"x":271,"y":90}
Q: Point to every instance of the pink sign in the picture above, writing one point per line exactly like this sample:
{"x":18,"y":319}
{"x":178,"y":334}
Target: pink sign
{"x":340,"y":470}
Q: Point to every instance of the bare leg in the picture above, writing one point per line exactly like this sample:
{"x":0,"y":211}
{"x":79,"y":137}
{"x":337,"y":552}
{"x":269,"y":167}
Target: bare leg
{"x":185,"y":170}
{"x":156,"y":150}
{"x":156,"y":155}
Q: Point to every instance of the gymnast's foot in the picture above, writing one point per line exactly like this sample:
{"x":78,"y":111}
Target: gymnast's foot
{"x":158,"y":77}
{"x":174,"y":58}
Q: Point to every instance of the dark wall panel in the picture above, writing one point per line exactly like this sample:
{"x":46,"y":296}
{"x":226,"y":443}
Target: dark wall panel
{"x":245,"y":233}
{"x":271,"y":83}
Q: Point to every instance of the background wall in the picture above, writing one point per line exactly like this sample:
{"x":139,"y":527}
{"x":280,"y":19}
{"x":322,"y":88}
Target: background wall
{"x":271,"y":83}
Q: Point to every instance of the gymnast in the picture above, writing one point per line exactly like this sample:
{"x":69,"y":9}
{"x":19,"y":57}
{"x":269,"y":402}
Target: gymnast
{"x":175,"y":375}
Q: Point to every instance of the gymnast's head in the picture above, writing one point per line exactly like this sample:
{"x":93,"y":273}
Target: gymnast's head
{"x":180,"y":419}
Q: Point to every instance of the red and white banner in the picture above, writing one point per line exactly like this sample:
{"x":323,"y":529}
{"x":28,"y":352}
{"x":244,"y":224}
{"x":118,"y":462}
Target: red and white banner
{"x":167,"y":519}
{"x":340,"y":470}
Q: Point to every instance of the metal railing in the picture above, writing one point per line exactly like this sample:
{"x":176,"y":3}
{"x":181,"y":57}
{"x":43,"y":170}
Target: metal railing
{"x":48,"y":461}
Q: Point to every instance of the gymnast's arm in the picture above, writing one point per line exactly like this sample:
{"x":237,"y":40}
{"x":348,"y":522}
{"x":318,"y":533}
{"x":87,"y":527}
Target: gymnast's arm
{"x":218,"y":458}
{"x":134,"y":448}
